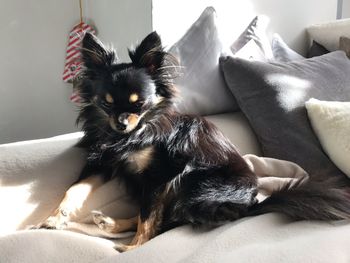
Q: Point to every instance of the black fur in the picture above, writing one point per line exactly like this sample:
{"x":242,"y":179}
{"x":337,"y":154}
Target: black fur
{"x":193,"y":170}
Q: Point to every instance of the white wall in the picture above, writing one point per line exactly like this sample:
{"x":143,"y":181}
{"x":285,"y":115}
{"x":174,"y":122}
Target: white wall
{"x":288,"y":18}
{"x":33,"y":99}
{"x":121,"y":22}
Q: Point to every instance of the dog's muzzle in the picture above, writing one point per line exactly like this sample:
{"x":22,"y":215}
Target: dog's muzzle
{"x":125,"y":122}
{"x":122,"y":121}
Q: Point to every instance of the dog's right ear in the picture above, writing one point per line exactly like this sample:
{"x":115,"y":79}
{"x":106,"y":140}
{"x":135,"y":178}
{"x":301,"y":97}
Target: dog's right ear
{"x":149,"y":53}
{"x":95,"y":54}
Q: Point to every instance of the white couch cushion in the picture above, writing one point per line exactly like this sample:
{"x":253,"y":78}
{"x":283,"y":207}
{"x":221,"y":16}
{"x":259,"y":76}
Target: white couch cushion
{"x":34,"y":176}
{"x":42,"y":246}
{"x":236,"y":127}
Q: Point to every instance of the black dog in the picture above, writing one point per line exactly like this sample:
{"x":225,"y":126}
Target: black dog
{"x":180,"y":168}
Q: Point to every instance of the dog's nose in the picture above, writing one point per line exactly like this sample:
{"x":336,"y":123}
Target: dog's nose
{"x":123,"y":121}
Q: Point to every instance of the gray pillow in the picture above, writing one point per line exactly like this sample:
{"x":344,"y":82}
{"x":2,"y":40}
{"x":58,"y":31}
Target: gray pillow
{"x":202,"y":87}
{"x":255,"y":31}
{"x":272,"y":96}
{"x":282,"y":52}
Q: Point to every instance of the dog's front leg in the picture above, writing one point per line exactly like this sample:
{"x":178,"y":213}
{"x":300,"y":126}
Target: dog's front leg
{"x":148,"y":224}
{"x":146,"y":230}
{"x":114,"y":225}
{"x":72,"y":202}
{"x":149,"y":221}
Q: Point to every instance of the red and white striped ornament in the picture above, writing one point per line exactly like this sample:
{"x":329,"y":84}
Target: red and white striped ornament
{"x":73,"y":62}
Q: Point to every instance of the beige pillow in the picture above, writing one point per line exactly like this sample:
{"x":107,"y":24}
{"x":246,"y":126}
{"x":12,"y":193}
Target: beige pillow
{"x":331,"y":123}
{"x":328,"y":34}
{"x":344,"y":44}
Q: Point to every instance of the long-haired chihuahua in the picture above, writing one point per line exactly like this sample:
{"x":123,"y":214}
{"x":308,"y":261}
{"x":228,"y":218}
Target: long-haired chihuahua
{"x":179,"y":168}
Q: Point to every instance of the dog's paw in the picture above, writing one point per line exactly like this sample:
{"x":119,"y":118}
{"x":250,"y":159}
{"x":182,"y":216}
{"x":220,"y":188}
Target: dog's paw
{"x":123,"y":248}
{"x":53,"y":222}
{"x":103,"y":222}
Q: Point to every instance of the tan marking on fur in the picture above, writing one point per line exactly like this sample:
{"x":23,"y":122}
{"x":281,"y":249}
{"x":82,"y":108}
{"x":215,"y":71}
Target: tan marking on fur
{"x":140,"y":160}
{"x":133,"y":98}
{"x":113,"y":226}
{"x":133,"y":118}
{"x":78,"y":193}
{"x":109,"y":98}
{"x":122,"y":225}
{"x":133,"y":121}
{"x":74,"y":200}
{"x":148,"y":228}
{"x":145,"y":231}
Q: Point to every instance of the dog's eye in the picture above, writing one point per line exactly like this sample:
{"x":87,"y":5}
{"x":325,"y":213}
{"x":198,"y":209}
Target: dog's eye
{"x":108,"y":98}
{"x":134,"y":98}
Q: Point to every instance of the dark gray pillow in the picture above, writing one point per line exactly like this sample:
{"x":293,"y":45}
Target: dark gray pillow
{"x":202,"y":87}
{"x":282,"y":52}
{"x":272,"y":96}
{"x":316,"y":49}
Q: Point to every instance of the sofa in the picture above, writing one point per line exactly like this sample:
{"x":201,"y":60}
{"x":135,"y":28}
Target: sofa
{"x":34,"y":176}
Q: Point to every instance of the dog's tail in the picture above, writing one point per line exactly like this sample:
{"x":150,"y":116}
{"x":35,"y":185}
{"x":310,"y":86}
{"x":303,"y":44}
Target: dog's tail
{"x":309,"y":201}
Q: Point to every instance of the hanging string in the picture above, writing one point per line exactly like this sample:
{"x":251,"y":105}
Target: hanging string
{"x":81,"y":11}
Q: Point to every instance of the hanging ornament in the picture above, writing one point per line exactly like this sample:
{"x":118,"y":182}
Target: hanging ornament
{"x":73,"y":63}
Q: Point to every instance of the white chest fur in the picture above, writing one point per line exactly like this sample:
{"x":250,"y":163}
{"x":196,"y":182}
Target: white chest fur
{"x":139,"y":160}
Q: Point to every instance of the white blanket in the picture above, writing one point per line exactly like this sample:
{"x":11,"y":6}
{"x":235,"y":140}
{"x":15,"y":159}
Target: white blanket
{"x":34,"y":176}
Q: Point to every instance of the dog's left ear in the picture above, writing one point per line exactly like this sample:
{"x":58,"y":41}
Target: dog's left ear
{"x":149,"y":54}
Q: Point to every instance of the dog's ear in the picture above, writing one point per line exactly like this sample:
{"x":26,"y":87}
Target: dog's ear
{"x":95,"y":54}
{"x":149,"y":53}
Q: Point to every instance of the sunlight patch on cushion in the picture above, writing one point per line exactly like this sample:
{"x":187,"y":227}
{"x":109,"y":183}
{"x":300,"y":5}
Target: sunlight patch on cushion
{"x":14,"y":202}
{"x":293,"y":92}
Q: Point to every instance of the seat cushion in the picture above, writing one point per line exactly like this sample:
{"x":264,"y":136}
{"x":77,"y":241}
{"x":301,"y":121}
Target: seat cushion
{"x":236,"y":127}
{"x":53,"y":246}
